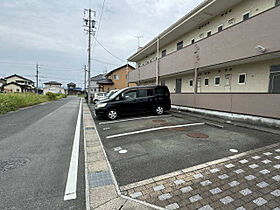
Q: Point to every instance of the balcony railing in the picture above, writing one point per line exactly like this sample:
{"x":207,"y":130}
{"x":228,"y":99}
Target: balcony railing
{"x":232,"y":44}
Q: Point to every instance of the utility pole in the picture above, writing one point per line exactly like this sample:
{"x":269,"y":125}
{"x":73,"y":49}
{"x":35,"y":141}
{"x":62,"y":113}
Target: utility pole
{"x":85,"y":78}
{"x":90,"y":25}
{"x":37,"y":78}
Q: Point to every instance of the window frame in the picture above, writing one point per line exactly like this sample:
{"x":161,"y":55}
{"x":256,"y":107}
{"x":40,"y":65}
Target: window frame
{"x":222,"y":25}
{"x":163,"y":53}
{"x":178,"y":44}
{"x":238,"y":79}
{"x":219,"y":81}
{"x":206,"y":78}
{"x":248,"y":12}
{"x":192,"y":40}
{"x":191,"y":80}
{"x":116,"y":78}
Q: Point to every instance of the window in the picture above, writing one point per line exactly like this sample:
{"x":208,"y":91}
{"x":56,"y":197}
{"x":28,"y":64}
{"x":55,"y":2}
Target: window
{"x":193,"y":40}
{"x":209,"y":33}
{"x":277,"y":2}
{"x":217,"y":81}
{"x":206,"y":81}
{"x":145,"y":92}
{"x":131,"y":94}
{"x":161,"y":91}
{"x":220,"y":28}
{"x":108,"y":89}
{"x":163,"y":82}
{"x":163,"y":53}
{"x":246,"y":16}
{"x":191,"y":83}
{"x":116,"y":76}
{"x":242,"y":79}
{"x":180,"y":45}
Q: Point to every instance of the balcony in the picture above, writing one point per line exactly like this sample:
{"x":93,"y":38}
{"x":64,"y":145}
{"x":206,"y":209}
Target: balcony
{"x":143,"y":73}
{"x":233,"y":44}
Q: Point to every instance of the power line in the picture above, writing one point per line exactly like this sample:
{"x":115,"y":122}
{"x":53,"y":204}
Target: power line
{"x":15,"y":63}
{"x":109,"y":51}
{"x":99,"y":23}
{"x":104,"y":62}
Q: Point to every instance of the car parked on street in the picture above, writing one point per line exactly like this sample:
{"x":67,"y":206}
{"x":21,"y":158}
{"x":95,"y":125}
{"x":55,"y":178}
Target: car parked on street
{"x":134,"y":100}
{"x":98,"y":97}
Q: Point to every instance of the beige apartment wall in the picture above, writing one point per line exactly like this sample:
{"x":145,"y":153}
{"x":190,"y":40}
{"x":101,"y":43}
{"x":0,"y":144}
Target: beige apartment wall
{"x":257,"y":78}
{"x":254,"y":6}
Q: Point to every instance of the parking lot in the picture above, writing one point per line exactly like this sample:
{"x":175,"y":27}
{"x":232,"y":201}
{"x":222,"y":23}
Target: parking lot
{"x":142,"y":147}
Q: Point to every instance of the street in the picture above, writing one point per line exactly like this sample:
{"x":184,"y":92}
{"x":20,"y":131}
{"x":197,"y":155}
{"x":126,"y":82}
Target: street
{"x":35,"y":153}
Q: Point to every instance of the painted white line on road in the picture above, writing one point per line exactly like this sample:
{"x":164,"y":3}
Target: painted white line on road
{"x":71,"y":185}
{"x":153,"y":129}
{"x":132,"y":119}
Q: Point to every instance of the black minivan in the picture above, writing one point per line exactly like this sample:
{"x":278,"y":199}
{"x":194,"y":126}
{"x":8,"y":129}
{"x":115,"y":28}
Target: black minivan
{"x":134,"y":100}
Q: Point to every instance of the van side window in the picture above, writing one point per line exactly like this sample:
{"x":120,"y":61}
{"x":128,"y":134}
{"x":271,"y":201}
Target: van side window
{"x":145,"y":92}
{"x":129,"y":95}
{"x":161,"y":91}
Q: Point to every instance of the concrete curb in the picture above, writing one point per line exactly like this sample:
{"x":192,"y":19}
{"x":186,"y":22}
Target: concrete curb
{"x":104,"y":196}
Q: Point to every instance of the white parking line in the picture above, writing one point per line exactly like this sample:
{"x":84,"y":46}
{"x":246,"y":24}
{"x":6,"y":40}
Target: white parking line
{"x":71,"y":185}
{"x":131,"y":119}
{"x":153,"y":129}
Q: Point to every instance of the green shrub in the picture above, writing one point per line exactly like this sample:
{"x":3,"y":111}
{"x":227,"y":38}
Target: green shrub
{"x":14,"y":101}
{"x":51,"y":96}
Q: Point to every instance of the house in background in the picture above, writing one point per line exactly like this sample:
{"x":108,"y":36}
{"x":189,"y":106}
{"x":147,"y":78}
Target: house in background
{"x":72,"y":89}
{"x":18,"y":84}
{"x":53,"y":87}
{"x":222,"y":56}
{"x":117,"y":79}
{"x":94,"y":86}
{"x":2,"y":82}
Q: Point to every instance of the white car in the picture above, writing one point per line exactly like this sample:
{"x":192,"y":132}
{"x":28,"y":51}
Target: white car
{"x":98,"y":97}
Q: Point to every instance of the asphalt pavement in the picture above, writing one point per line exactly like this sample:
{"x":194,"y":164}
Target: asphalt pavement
{"x":145,"y":148}
{"x":35,"y":152}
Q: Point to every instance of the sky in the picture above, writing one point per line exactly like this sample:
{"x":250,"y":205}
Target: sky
{"x":51,"y":33}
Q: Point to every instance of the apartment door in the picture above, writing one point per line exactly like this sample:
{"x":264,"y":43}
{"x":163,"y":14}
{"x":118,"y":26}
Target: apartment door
{"x":228,"y":78}
{"x":274,"y":80}
{"x":178,"y":86}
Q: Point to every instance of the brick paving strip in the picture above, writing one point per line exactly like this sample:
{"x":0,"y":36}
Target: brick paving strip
{"x":102,"y":191}
{"x":249,"y":180}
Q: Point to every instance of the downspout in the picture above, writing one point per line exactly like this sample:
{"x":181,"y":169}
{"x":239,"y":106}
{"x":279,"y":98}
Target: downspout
{"x":157,"y":62}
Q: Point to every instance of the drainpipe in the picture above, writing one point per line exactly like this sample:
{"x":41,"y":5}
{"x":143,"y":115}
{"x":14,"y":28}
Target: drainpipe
{"x":157,"y":63}
{"x":196,"y":65}
{"x":127,"y":76}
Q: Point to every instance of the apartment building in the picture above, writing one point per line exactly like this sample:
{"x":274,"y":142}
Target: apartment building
{"x":223,"y":55}
{"x":116,"y":78}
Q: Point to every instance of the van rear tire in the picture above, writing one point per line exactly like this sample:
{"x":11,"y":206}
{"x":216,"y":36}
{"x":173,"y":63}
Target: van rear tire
{"x":159,"y":110}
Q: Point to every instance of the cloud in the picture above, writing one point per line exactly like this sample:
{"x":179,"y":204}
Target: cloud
{"x":51,"y":33}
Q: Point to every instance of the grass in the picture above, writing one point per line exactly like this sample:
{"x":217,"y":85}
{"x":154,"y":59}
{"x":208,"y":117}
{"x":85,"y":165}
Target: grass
{"x":14,"y":101}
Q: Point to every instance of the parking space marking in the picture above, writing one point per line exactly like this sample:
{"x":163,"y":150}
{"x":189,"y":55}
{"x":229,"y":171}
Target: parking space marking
{"x":153,"y":129}
{"x":132,"y":119}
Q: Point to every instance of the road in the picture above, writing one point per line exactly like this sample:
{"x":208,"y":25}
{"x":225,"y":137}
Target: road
{"x":35,"y":152}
